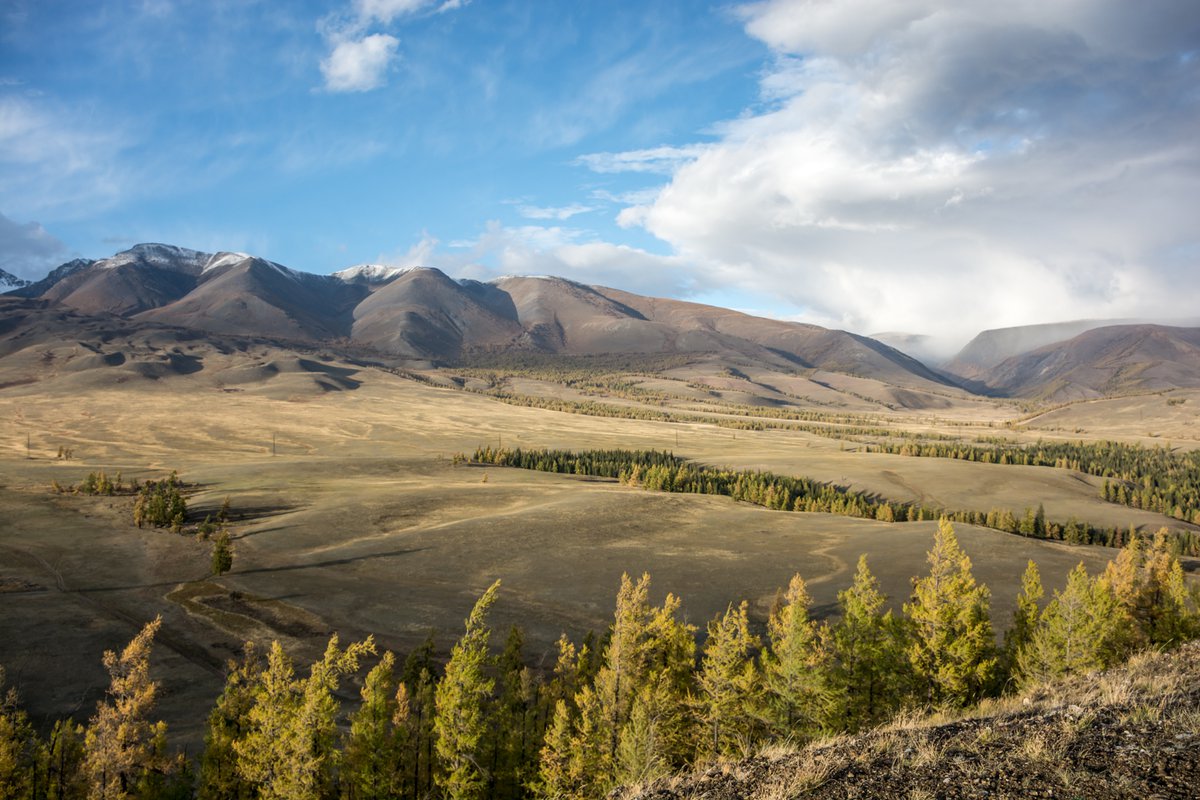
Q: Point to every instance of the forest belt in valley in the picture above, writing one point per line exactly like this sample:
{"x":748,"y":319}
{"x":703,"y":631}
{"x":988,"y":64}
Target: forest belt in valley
{"x":656,"y":469}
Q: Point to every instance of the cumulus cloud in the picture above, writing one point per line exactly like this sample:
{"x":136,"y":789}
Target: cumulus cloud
{"x":28,"y":250}
{"x":940,"y":168}
{"x":359,"y":65}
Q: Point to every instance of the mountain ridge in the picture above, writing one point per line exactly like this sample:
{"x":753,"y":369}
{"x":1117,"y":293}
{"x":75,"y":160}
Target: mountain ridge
{"x":421,"y":313}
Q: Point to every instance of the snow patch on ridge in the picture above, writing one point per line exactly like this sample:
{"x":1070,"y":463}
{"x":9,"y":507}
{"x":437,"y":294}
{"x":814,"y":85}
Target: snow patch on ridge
{"x":224,"y":259}
{"x":165,"y":256}
{"x":373,"y":273}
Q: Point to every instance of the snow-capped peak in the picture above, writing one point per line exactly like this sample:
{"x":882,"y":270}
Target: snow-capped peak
{"x":165,"y":256}
{"x":8,"y":281}
{"x":371,"y":273}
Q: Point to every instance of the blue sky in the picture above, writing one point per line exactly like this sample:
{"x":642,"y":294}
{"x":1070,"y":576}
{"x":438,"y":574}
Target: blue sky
{"x":868,"y":164}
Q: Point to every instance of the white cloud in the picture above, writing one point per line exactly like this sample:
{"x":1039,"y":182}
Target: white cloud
{"x":553,"y":212}
{"x":359,"y":65}
{"x":664,"y":160}
{"x":941,"y":168}
{"x":385,"y":11}
{"x":28,"y":250}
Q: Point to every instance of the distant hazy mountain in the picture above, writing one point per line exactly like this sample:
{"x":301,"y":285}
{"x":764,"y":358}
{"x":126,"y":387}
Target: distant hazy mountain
{"x":422,"y":313}
{"x":991,"y":347}
{"x":1103,"y":361}
{"x":924,"y":348}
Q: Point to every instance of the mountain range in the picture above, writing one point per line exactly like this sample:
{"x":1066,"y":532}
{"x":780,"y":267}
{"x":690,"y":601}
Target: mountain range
{"x":422,"y":313}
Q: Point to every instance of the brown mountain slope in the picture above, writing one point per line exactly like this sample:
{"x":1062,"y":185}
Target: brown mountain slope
{"x":242,"y":294}
{"x":144,"y":277}
{"x":805,"y":345}
{"x":1133,"y":732}
{"x":422,"y":313}
{"x":1105,"y":361}
{"x":425,"y":314}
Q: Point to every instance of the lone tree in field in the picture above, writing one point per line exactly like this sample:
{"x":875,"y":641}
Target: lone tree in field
{"x":462,"y":704}
{"x":222,"y":553}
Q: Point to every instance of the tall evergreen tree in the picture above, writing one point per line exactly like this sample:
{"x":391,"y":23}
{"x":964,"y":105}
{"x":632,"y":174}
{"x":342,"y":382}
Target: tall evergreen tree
{"x":952,"y":650}
{"x":1025,"y":616}
{"x":868,"y":673}
{"x":288,"y":751}
{"x":464,"y":700}
{"x":730,"y":686}
{"x":121,"y":739}
{"x":20,"y":751}
{"x":795,"y":671}
{"x":372,"y":758}
{"x":227,"y":722}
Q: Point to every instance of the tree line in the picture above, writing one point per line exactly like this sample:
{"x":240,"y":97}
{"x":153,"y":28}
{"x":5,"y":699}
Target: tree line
{"x":663,"y":471}
{"x":643,"y":701}
{"x":1152,"y":478}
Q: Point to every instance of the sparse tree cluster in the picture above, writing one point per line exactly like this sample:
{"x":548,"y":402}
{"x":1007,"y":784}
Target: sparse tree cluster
{"x":161,"y":504}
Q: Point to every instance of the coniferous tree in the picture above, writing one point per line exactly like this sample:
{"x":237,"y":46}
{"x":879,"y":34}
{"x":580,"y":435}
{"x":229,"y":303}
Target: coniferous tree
{"x":463,"y":706}
{"x":66,"y":778}
{"x":952,"y":650}
{"x":794,"y":665}
{"x":372,"y":757}
{"x":20,"y":751}
{"x":1082,"y":628}
{"x":868,"y":672}
{"x":288,"y":751}
{"x":222,"y":553}
{"x":227,"y":723}
{"x":1025,"y":617}
{"x":121,"y":741}
{"x":730,"y":686}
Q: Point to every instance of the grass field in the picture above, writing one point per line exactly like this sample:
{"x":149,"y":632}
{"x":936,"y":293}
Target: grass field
{"x":350,"y":518}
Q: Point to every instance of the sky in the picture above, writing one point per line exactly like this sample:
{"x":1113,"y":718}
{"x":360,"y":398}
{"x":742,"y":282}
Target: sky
{"x":873,"y":165}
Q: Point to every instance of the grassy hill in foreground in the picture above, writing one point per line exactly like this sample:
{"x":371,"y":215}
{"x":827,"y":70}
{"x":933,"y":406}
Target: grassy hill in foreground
{"x":1133,"y":731}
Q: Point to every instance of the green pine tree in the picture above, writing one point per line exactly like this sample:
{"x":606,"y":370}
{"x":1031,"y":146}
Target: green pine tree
{"x":1025,"y":617}
{"x":795,"y":670}
{"x":868,"y":672}
{"x":1082,"y":628}
{"x":730,"y":686}
{"x":952,"y":649}
{"x":464,"y":703}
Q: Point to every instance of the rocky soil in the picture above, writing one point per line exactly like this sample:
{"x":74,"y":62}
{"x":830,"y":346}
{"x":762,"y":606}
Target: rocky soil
{"x":1131,"y":732}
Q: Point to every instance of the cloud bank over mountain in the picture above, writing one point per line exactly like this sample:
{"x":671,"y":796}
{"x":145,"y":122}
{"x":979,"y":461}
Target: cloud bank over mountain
{"x":918,"y":163}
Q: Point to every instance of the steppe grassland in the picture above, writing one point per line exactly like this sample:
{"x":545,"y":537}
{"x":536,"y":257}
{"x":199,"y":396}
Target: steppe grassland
{"x":358,"y":523}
